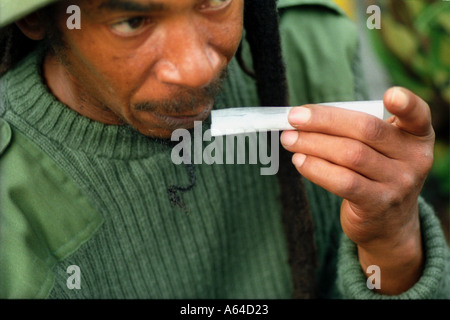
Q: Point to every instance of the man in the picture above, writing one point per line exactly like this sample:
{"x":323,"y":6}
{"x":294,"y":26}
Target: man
{"x":88,"y":186}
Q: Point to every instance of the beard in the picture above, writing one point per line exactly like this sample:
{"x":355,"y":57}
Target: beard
{"x":186,"y":100}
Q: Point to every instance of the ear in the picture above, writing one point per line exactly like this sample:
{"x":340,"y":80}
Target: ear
{"x":32,"y":27}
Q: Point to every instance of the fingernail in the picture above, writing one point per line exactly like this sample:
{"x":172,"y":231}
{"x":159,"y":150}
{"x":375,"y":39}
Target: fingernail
{"x":399,"y":98}
{"x":299,"y":115}
{"x":298,"y":159}
{"x":288,"y":138}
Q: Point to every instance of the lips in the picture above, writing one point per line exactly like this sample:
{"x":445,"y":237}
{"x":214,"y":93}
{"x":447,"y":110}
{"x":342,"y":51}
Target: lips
{"x":175,"y":121}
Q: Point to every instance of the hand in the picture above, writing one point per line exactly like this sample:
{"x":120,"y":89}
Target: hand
{"x":379,"y":168}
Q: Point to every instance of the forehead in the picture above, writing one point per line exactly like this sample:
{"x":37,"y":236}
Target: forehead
{"x":136,"y":5}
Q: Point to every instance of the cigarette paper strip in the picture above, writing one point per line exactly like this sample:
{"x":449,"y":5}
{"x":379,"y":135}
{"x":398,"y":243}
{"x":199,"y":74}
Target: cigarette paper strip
{"x":255,"y":119}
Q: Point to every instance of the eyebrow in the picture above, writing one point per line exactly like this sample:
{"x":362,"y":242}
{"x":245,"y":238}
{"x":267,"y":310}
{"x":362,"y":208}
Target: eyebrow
{"x":121,"y":5}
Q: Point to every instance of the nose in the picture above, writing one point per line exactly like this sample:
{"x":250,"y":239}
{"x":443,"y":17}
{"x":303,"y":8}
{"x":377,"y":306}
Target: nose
{"x":187,"y":58}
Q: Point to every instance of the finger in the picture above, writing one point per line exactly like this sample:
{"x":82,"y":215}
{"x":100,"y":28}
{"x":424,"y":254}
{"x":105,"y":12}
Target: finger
{"x":350,"y":124}
{"x":412,"y":114}
{"x":340,"y":181}
{"x":345,"y":152}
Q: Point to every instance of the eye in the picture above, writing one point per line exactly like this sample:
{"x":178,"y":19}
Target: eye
{"x":211,"y":5}
{"x":130,"y":27}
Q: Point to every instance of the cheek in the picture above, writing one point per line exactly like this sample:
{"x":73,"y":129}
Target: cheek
{"x":233,"y":41}
{"x":105,"y":71}
{"x":228,"y":37}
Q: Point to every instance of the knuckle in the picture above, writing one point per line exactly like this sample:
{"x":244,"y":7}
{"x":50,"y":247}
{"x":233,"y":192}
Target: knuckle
{"x":406,"y":185}
{"x":408,"y":182}
{"x":427,"y":162}
{"x":372,"y":129}
{"x":349,"y":184}
{"x":423,"y":160}
{"x":355,"y":155}
{"x":393,"y":197}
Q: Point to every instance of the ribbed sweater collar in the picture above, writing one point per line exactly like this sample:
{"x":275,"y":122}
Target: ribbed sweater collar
{"x":40,"y":115}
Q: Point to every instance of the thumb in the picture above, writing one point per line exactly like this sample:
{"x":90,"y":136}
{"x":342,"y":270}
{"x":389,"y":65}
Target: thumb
{"x":411,"y":113}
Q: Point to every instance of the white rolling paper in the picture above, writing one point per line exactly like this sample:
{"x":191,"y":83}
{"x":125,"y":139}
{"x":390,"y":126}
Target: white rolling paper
{"x":254,"y":119}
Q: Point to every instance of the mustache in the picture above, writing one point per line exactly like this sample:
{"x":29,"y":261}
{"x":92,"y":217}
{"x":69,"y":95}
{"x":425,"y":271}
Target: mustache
{"x":186,"y":99}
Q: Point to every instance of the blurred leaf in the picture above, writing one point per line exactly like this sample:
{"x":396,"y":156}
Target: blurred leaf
{"x":441,"y":167}
{"x":444,"y":21}
{"x":399,"y":39}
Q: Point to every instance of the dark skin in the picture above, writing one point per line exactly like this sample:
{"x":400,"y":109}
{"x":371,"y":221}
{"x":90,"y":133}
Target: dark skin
{"x":168,"y":48}
{"x":378,"y":168}
{"x":126,"y":56}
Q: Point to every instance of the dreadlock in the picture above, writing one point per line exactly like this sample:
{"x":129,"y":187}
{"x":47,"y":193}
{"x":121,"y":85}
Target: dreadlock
{"x":14,"y":45}
{"x":261,"y":23}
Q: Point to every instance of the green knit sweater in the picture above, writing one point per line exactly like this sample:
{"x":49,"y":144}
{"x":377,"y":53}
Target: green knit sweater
{"x":77,"y":192}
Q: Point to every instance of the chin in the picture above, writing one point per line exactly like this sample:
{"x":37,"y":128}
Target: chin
{"x":162,"y":126}
{"x":158,"y":133}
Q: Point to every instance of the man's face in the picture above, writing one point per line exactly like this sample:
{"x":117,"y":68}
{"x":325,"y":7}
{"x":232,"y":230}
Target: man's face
{"x":154,"y":64}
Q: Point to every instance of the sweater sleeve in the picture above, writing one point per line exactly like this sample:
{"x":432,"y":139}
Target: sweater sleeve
{"x":434,"y":282}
